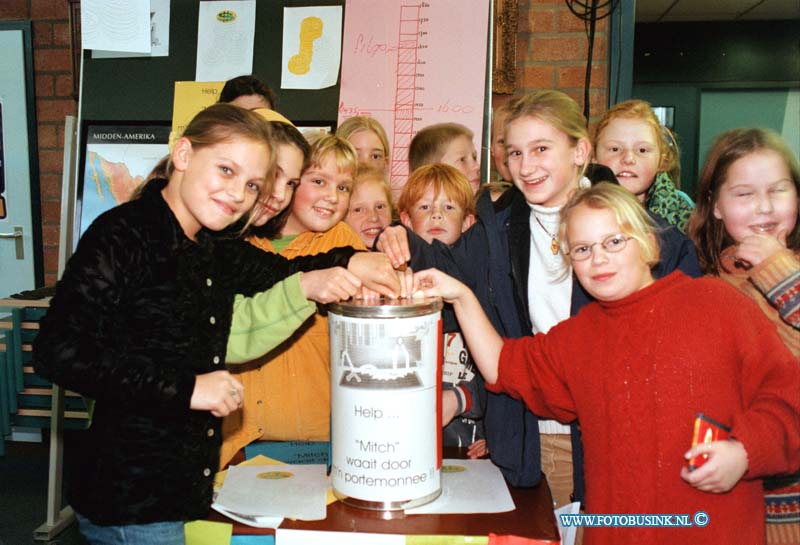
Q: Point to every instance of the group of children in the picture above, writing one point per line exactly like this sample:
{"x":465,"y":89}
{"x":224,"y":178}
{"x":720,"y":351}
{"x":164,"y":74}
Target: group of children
{"x":623,"y":380}
{"x":599,"y":377}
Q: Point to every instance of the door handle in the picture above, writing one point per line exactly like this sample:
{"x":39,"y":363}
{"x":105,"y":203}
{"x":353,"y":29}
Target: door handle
{"x":18,"y":242}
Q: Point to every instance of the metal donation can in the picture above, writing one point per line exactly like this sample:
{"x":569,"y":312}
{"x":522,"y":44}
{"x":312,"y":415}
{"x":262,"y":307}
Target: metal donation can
{"x":385,"y":402}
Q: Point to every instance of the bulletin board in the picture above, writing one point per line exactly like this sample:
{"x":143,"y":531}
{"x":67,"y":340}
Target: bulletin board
{"x":407,"y":44}
{"x":139,"y":89}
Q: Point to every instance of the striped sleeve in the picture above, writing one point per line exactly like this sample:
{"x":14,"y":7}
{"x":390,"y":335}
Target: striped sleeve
{"x":778,"y":278}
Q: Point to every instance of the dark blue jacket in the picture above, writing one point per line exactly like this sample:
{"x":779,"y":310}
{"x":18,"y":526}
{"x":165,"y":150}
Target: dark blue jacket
{"x":492,"y":258}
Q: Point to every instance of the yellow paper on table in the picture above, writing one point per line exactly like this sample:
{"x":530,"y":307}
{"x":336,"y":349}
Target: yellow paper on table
{"x":204,"y":532}
{"x":262,"y":460}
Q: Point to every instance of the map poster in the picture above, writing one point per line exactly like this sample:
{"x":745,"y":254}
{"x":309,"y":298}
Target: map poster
{"x":116,"y":160}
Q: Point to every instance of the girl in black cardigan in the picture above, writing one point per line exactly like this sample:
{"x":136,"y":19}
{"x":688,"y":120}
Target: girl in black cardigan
{"x":140,"y":320}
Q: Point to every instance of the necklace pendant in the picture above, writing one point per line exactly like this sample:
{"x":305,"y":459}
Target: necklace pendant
{"x":554,"y":246}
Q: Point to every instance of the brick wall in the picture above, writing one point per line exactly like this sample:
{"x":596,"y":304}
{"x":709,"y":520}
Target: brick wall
{"x":52,"y":66}
{"x":551,"y":53}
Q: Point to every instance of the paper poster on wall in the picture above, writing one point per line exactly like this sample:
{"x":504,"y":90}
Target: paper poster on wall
{"x":225,"y":34}
{"x":190,"y":98}
{"x":402,"y":66}
{"x":159,"y":35}
{"x":312,"y":130}
{"x":312,"y":39}
{"x":116,"y":25}
{"x":116,"y":160}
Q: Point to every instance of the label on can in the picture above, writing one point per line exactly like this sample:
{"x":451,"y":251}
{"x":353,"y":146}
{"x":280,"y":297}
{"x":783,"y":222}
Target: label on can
{"x":384,"y":422}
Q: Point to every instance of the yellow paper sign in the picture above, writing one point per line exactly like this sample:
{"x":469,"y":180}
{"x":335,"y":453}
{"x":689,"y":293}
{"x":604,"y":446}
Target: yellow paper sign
{"x":190,"y":98}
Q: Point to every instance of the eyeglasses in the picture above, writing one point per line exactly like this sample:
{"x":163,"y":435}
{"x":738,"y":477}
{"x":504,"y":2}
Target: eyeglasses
{"x":611,"y":244}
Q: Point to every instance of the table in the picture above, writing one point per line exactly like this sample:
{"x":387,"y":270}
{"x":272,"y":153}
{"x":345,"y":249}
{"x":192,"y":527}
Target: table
{"x":533,"y":518}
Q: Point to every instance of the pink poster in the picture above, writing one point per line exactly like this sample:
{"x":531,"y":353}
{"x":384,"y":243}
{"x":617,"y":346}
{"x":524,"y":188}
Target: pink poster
{"x":412,"y":64}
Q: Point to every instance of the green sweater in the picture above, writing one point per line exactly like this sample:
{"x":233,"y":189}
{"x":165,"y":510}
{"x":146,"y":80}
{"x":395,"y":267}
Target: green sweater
{"x":262,"y":322}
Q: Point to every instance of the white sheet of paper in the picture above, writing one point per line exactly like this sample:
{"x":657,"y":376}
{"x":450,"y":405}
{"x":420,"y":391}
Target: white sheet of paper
{"x":159,"y":34}
{"x":312,"y":537}
{"x":258,"y":522}
{"x":116,"y":25}
{"x":471,"y":486}
{"x":567,"y":534}
{"x":291,"y":491}
{"x":312,"y":47}
{"x":225,"y":34}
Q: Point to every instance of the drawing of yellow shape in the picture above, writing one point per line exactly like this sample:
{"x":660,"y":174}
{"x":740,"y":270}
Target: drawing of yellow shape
{"x":310,"y":30}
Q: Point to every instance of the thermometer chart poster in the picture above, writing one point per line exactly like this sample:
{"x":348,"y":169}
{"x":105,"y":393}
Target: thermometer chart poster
{"x":410,"y":65}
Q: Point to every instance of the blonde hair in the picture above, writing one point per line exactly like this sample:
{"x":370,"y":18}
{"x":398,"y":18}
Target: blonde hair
{"x":706,"y":231}
{"x":365,"y":174}
{"x":219,"y":123}
{"x":501,"y":114}
{"x":554,"y":107}
{"x":443,"y":178}
{"x":357,"y":123}
{"x":667,"y":144}
{"x":343,"y":152}
{"x":631,"y":216}
{"x":428,"y":145}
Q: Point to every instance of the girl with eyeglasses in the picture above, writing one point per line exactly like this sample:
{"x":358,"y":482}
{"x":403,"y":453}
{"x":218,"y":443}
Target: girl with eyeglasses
{"x":511,"y":258}
{"x":636,"y":366}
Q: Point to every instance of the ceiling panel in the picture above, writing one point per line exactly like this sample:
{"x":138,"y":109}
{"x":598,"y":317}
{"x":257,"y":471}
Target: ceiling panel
{"x":649,"y":11}
{"x":774,"y":9}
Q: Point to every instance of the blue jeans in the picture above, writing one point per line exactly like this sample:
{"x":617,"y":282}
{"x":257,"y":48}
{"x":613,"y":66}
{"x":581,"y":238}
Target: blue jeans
{"x":156,"y":533}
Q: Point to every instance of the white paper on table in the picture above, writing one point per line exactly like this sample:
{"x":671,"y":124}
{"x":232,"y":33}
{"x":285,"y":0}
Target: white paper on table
{"x":477,"y":488}
{"x":225,"y":34}
{"x":567,"y":534}
{"x":159,"y":35}
{"x":258,"y":522}
{"x":289,"y":491}
{"x":312,"y":47}
{"x":312,"y":537}
{"x":116,"y":25}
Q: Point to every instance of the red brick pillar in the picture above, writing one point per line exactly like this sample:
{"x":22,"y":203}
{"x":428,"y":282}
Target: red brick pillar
{"x":551,"y":53}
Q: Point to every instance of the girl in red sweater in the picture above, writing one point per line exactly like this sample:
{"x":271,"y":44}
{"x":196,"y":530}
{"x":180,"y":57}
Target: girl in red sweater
{"x":635,"y":368}
{"x":747,"y":232}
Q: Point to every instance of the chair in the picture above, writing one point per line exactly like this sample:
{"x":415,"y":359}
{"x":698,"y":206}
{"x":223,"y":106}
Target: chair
{"x":26,"y":398}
